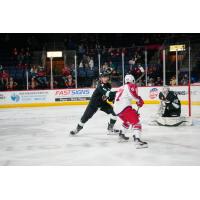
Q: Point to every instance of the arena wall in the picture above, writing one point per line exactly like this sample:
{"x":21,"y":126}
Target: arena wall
{"x":81,"y":96}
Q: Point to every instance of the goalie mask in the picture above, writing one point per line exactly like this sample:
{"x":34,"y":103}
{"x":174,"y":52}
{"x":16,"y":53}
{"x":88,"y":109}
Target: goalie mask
{"x":165,"y":90}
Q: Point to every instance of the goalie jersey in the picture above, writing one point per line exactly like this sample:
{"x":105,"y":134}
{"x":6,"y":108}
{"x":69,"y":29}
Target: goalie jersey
{"x":171,"y":104}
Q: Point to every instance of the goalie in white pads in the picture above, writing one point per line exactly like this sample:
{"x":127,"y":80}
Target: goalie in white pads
{"x":129,"y":116}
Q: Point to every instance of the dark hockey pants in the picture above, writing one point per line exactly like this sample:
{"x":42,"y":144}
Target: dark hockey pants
{"x":90,"y":111}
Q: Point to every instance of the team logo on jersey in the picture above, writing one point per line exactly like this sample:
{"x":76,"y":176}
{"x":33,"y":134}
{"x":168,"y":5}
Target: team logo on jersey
{"x":15,"y":97}
{"x":153,"y":93}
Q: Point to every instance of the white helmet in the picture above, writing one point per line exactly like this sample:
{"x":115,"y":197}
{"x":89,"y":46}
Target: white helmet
{"x":129,"y":78}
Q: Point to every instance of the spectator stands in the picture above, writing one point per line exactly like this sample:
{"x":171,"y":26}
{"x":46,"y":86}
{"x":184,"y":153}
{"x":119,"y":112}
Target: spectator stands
{"x":17,"y":59}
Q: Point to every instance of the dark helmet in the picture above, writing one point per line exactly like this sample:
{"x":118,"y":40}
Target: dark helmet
{"x":104,"y":74}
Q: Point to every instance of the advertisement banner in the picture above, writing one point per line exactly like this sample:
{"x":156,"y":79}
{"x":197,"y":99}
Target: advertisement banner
{"x":19,"y":97}
{"x":149,"y":94}
{"x":152,"y":93}
{"x":73,"y":94}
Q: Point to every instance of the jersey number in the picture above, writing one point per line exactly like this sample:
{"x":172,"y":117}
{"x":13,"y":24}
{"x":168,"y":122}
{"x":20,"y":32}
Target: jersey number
{"x":119,"y":94}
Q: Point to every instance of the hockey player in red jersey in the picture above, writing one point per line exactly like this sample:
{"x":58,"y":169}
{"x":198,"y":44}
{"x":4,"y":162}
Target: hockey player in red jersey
{"x":128,"y":115}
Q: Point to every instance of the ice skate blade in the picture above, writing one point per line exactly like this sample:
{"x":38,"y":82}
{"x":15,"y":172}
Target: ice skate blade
{"x":122,"y":141}
{"x":141,"y":146}
{"x":72,"y":134}
{"x":112,"y":133}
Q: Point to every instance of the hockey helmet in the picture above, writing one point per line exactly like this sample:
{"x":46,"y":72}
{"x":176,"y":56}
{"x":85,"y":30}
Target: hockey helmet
{"x":165,"y":89}
{"x":104,"y":74}
{"x":129,"y":78}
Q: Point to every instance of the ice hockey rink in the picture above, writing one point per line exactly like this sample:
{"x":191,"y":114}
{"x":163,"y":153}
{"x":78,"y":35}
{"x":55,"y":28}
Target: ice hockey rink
{"x":40,"y":136}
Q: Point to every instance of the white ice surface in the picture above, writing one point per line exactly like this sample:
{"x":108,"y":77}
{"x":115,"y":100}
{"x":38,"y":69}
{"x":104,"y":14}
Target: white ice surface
{"x":40,"y":136}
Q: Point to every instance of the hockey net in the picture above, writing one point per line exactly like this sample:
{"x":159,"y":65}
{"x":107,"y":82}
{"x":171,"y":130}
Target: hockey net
{"x":193,"y":95}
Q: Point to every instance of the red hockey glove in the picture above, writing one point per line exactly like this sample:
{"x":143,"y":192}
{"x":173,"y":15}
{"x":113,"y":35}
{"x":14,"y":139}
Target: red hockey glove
{"x":140,"y":102}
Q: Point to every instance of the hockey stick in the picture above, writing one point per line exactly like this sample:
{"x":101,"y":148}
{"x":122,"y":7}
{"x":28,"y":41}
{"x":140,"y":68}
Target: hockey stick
{"x":138,"y":109}
{"x":140,"y":77}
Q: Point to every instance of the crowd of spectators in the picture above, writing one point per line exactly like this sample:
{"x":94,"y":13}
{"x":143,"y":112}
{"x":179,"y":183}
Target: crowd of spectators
{"x":88,"y":48}
{"x":38,"y":77}
{"x":6,"y":81}
{"x":88,"y":71}
{"x":21,"y":57}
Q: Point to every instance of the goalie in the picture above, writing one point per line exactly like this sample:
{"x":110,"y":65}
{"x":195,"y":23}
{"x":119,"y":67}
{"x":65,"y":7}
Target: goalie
{"x":170,"y":105}
{"x":169,"y":113}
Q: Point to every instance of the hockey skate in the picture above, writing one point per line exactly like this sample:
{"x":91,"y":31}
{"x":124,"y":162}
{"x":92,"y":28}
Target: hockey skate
{"x":111,"y":130}
{"x":74,"y":132}
{"x":123,"y":137}
{"x":140,"y":144}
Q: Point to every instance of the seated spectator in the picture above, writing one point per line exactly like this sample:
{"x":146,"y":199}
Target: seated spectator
{"x":173,"y":81}
{"x":34,"y":71}
{"x":132,"y":62}
{"x":154,"y":72}
{"x":115,"y":79}
{"x":125,"y":51}
{"x":150,"y":71}
{"x":118,"y":52}
{"x":82,"y":77}
{"x":11,"y":84}
{"x":15,"y":55}
{"x":158,"y":82}
{"x":86,"y":65}
{"x":104,"y":51}
{"x":184,"y":80}
{"x":111,"y":51}
{"x":27,"y":58}
{"x":66,"y":71}
{"x":81,"y":49}
{"x":20,"y":58}
{"x":33,"y":83}
{"x":4,"y":76}
{"x":85,"y":60}
{"x":81,"y":64}
{"x":41,"y":77}
{"x":91,"y":63}
{"x":70,"y":83}
{"x":151,"y":82}
{"x":112,"y":66}
{"x":14,"y":52}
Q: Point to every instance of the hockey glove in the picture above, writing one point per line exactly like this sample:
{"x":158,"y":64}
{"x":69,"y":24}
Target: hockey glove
{"x":140,"y":102}
{"x":104,"y":98}
{"x":111,"y":96}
